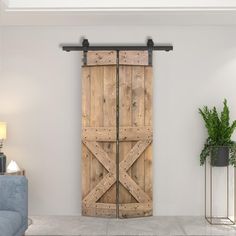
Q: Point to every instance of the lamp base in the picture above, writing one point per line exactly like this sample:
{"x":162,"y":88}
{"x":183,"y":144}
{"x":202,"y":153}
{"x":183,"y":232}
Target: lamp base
{"x":2,"y":162}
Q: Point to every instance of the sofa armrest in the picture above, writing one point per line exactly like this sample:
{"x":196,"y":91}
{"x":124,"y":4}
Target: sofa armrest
{"x":14,"y":194}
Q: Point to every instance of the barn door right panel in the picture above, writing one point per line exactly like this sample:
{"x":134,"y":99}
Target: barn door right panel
{"x":135,"y":134}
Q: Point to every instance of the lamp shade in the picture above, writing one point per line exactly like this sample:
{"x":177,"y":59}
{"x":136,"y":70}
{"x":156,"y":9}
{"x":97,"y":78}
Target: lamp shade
{"x":3,"y":130}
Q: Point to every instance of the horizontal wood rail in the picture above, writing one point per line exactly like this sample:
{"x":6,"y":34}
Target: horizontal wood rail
{"x":108,"y":134}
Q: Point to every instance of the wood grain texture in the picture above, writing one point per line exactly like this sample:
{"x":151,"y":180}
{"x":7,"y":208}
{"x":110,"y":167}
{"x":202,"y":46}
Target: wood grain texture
{"x":99,"y":212}
{"x":136,"y":165}
{"x":98,"y":156}
{"x":135,"y":133}
{"x":135,"y":210}
{"x":134,"y":154}
{"x":101,"y":58}
{"x":101,"y":155}
{"x":86,"y":155}
{"x":125,"y":119}
{"x":99,"y":135}
{"x":101,"y":209}
{"x":98,"y":191}
{"x":148,"y":122}
{"x":133,"y":188}
{"x":134,"y":58}
{"x":138,"y":119}
{"x":109,"y":108}
{"x":108,"y":134}
{"x":96,"y":117}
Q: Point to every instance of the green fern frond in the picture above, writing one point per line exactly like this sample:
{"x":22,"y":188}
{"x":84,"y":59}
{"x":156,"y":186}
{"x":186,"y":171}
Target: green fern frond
{"x":219,"y":130}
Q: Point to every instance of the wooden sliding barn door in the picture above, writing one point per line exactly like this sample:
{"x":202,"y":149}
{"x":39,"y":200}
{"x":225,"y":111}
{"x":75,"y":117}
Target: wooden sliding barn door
{"x":99,"y":134}
{"x":135,"y":134}
{"x":117,"y":134}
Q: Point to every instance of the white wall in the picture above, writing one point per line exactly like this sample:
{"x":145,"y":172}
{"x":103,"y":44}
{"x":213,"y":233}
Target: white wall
{"x":40,"y":100}
{"x":1,"y":50}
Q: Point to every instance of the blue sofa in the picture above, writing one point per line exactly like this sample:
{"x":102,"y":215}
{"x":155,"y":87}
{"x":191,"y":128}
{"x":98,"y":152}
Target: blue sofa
{"x":13,"y":205}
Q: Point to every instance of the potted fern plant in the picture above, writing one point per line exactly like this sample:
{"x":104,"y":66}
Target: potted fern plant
{"x":219,"y":146}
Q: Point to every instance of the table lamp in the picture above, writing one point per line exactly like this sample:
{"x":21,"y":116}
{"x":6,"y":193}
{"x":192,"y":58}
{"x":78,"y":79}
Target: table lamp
{"x":3,"y":136}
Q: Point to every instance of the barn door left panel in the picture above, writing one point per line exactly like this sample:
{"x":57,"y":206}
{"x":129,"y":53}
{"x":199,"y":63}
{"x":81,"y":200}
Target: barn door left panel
{"x":99,"y":134}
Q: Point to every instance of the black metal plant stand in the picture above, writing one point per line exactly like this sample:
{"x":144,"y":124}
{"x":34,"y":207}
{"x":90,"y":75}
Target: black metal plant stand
{"x":209,"y":216}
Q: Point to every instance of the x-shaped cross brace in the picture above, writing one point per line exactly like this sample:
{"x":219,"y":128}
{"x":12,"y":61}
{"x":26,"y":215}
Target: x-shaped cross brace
{"x":110,"y":178}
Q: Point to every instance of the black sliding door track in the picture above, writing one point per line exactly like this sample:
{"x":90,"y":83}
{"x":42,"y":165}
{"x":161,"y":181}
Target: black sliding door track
{"x":85,"y":47}
{"x":150,"y":47}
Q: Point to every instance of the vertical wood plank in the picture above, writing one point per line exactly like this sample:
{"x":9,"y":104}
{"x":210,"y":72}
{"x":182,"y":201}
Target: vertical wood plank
{"x":86,"y":155}
{"x":109,"y":108}
{"x":125,"y":119}
{"x":148,"y":122}
{"x":96,"y":117}
{"x":138,"y":118}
